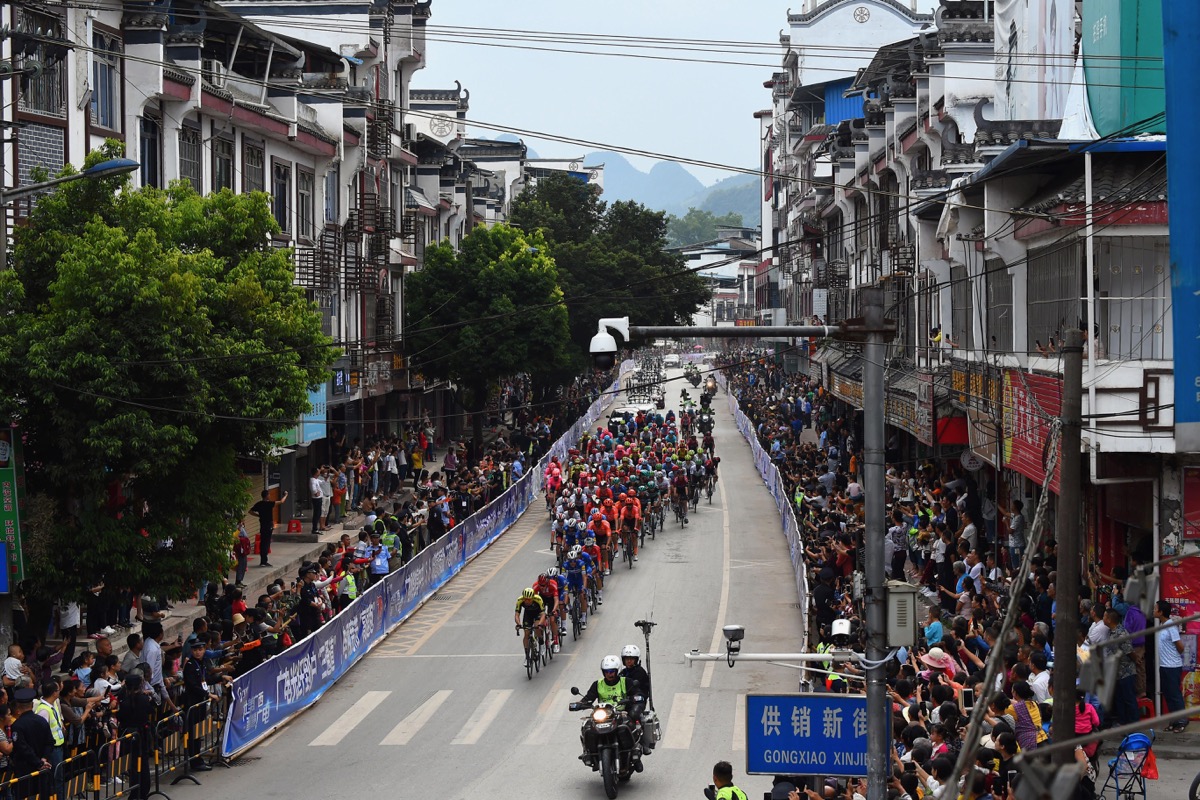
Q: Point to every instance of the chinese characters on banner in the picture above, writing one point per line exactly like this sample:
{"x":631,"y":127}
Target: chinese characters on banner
{"x":1191,"y":503}
{"x":1030,"y":402}
{"x":12,"y":488}
{"x":1181,"y":588}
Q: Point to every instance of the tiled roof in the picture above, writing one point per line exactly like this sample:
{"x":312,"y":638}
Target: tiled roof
{"x":1115,"y":180}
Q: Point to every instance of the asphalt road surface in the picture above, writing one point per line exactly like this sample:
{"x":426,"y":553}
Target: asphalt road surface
{"x":443,"y":708}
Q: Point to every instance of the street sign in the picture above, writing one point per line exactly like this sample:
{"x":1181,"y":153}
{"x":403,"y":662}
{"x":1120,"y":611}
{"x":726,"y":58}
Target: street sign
{"x":806,"y":734}
{"x":970,"y":462}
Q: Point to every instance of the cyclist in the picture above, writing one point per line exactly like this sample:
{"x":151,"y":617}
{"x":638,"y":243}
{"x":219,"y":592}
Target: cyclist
{"x":709,"y":444}
{"x":679,"y":491}
{"x":530,"y":611}
{"x":577,"y":569}
{"x":593,"y":552}
{"x":631,"y":519}
{"x":555,"y":575}
{"x":602,"y":533}
{"x":548,"y":591}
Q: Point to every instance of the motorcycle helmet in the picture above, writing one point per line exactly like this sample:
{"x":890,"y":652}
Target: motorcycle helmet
{"x":610,"y":664}
{"x":631,"y":651}
{"x":527,"y":593}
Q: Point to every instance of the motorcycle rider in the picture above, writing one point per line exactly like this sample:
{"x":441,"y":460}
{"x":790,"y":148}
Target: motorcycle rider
{"x":631,"y":657}
{"x":615,"y":689}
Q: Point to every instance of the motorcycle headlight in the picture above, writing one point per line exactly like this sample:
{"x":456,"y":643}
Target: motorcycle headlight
{"x":600,"y":715}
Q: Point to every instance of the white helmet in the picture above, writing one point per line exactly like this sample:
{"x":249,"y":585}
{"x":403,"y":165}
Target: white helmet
{"x":631,"y":651}
{"x":609,"y":662}
{"x":574,"y":552}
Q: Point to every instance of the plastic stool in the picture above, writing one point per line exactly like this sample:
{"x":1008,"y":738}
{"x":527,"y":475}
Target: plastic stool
{"x":1146,"y":708}
{"x":295,"y":526}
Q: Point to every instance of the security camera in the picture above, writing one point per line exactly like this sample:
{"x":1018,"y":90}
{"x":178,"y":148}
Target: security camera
{"x":733,"y":641}
{"x":604,"y":350}
{"x":604,"y":347}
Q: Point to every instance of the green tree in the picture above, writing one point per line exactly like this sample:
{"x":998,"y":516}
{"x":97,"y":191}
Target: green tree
{"x":698,"y":225}
{"x":491,"y":310}
{"x":612,"y":259}
{"x":145,"y":344}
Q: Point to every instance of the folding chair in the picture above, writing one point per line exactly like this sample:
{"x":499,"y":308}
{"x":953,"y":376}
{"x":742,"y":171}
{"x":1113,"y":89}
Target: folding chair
{"x":1125,"y":772}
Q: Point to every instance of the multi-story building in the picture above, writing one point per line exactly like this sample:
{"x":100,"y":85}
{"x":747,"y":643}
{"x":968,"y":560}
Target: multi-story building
{"x":729,"y":263}
{"x":998,"y":209}
{"x":311,"y":104}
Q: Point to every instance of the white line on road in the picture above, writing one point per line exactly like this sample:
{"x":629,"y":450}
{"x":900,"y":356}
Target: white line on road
{"x":549,"y":715}
{"x":681,"y":721}
{"x":739,"y":723}
{"x":718,"y":634}
{"x":342,"y":726}
{"x":483,"y":716}
{"x":514,"y":656}
{"x":410,"y":725}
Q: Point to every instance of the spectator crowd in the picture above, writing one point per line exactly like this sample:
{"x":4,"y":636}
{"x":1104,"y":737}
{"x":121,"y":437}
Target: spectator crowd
{"x":938,"y":538}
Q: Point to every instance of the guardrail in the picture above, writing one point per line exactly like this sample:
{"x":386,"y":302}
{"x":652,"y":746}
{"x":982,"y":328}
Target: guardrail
{"x":783,"y":503}
{"x":277,"y":690}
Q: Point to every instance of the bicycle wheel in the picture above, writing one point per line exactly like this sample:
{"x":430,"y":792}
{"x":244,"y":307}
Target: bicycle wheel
{"x":529,"y":662}
{"x":642,"y":535}
{"x":629,"y":551}
{"x":548,"y":649}
{"x":575,"y":629}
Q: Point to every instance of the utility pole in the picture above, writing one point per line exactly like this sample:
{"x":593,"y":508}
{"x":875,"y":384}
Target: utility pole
{"x":879,"y":718}
{"x":1070,"y":544}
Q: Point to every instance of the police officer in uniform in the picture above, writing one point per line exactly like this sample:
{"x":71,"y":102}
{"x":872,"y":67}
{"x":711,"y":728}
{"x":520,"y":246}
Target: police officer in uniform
{"x":612,"y":688}
{"x":722,"y":786}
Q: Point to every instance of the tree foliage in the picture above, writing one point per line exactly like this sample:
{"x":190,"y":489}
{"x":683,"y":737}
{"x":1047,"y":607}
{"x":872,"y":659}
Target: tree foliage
{"x":698,"y":225}
{"x":147,"y":340}
{"x":612,"y":259}
{"x":489,"y":311}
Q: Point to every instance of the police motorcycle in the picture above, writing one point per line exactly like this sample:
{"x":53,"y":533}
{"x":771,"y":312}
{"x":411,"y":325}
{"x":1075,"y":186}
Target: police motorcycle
{"x":710,"y":386}
{"x":692,"y":374}
{"x":610,"y":734}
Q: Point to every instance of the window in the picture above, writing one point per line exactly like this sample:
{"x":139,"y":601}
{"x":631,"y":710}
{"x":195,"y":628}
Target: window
{"x":150,"y":151}
{"x":281,"y":195}
{"x":999,"y":306}
{"x":332,"y":190}
{"x":305,"y":187}
{"x":1133,"y":298}
{"x":106,"y":81}
{"x":253,"y":168}
{"x":961,"y":323}
{"x":1054,"y":287}
{"x":45,"y":93}
{"x":222,"y":164}
{"x":189,"y":155}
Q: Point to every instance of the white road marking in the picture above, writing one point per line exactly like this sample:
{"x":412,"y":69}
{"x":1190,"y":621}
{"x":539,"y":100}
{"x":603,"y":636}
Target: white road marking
{"x":515,"y":656}
{"x":552,"y":712}
{"x":483,"y":716}
{"x":412,"y":724}
{"x":342,"y":726}
{"x":718,"y":635}
{"x":739,"y":723}
{"x":681,"y":721}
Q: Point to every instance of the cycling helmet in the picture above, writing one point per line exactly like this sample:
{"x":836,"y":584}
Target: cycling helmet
{"x":527,"y":593}
{"x":610,"y":664}
{"x":553,"y":571}
{"x":589,"y":541}
{"x":574,"y":552}
{"x":631,"y":651}
{"x":542,"y":576}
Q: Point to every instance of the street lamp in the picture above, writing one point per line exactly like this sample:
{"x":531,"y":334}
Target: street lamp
{"x":105,"y":169}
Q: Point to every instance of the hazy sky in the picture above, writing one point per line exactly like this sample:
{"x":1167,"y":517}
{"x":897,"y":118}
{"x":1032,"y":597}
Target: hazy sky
{"x":700,"y":111}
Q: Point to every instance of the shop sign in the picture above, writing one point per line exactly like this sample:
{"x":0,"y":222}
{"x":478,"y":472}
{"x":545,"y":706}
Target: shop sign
{"x":848,"y":390}
{"x":312,"y":424}
{"x":338,"y":386}
{"x":902,"y":413}
{"x":1181,"y":588}
{"x":1030,"y":403}
{"x":974,"y":386}
{"x":12,"y":490}
{"x":925,"y":413}
{"x":1191,"y":503}
{"x":745,"y":323}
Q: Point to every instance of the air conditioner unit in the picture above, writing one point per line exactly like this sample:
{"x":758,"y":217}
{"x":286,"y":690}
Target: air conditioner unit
{"x":213,"y":71}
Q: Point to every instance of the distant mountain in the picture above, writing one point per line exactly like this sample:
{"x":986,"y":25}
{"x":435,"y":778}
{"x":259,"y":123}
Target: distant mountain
{"x":738,"y":193}
{"x":660,"y":188}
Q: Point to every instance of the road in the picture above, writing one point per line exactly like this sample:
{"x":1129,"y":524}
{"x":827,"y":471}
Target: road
{"x":443,"y":706}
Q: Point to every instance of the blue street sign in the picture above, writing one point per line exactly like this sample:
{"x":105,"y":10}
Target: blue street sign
{"x":806,"y":734}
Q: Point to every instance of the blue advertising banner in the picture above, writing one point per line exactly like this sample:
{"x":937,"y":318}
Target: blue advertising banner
{"x":276,"y":690}
{"x":806,"y":734}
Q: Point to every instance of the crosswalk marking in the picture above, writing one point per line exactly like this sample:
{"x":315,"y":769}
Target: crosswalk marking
{"x":342,"y":726}
{"x":483,"y":716}
{"x":410,"y":725}
{"x":548,"y":718}
{"x":739,"y":723}
{"x":681,"y":721}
